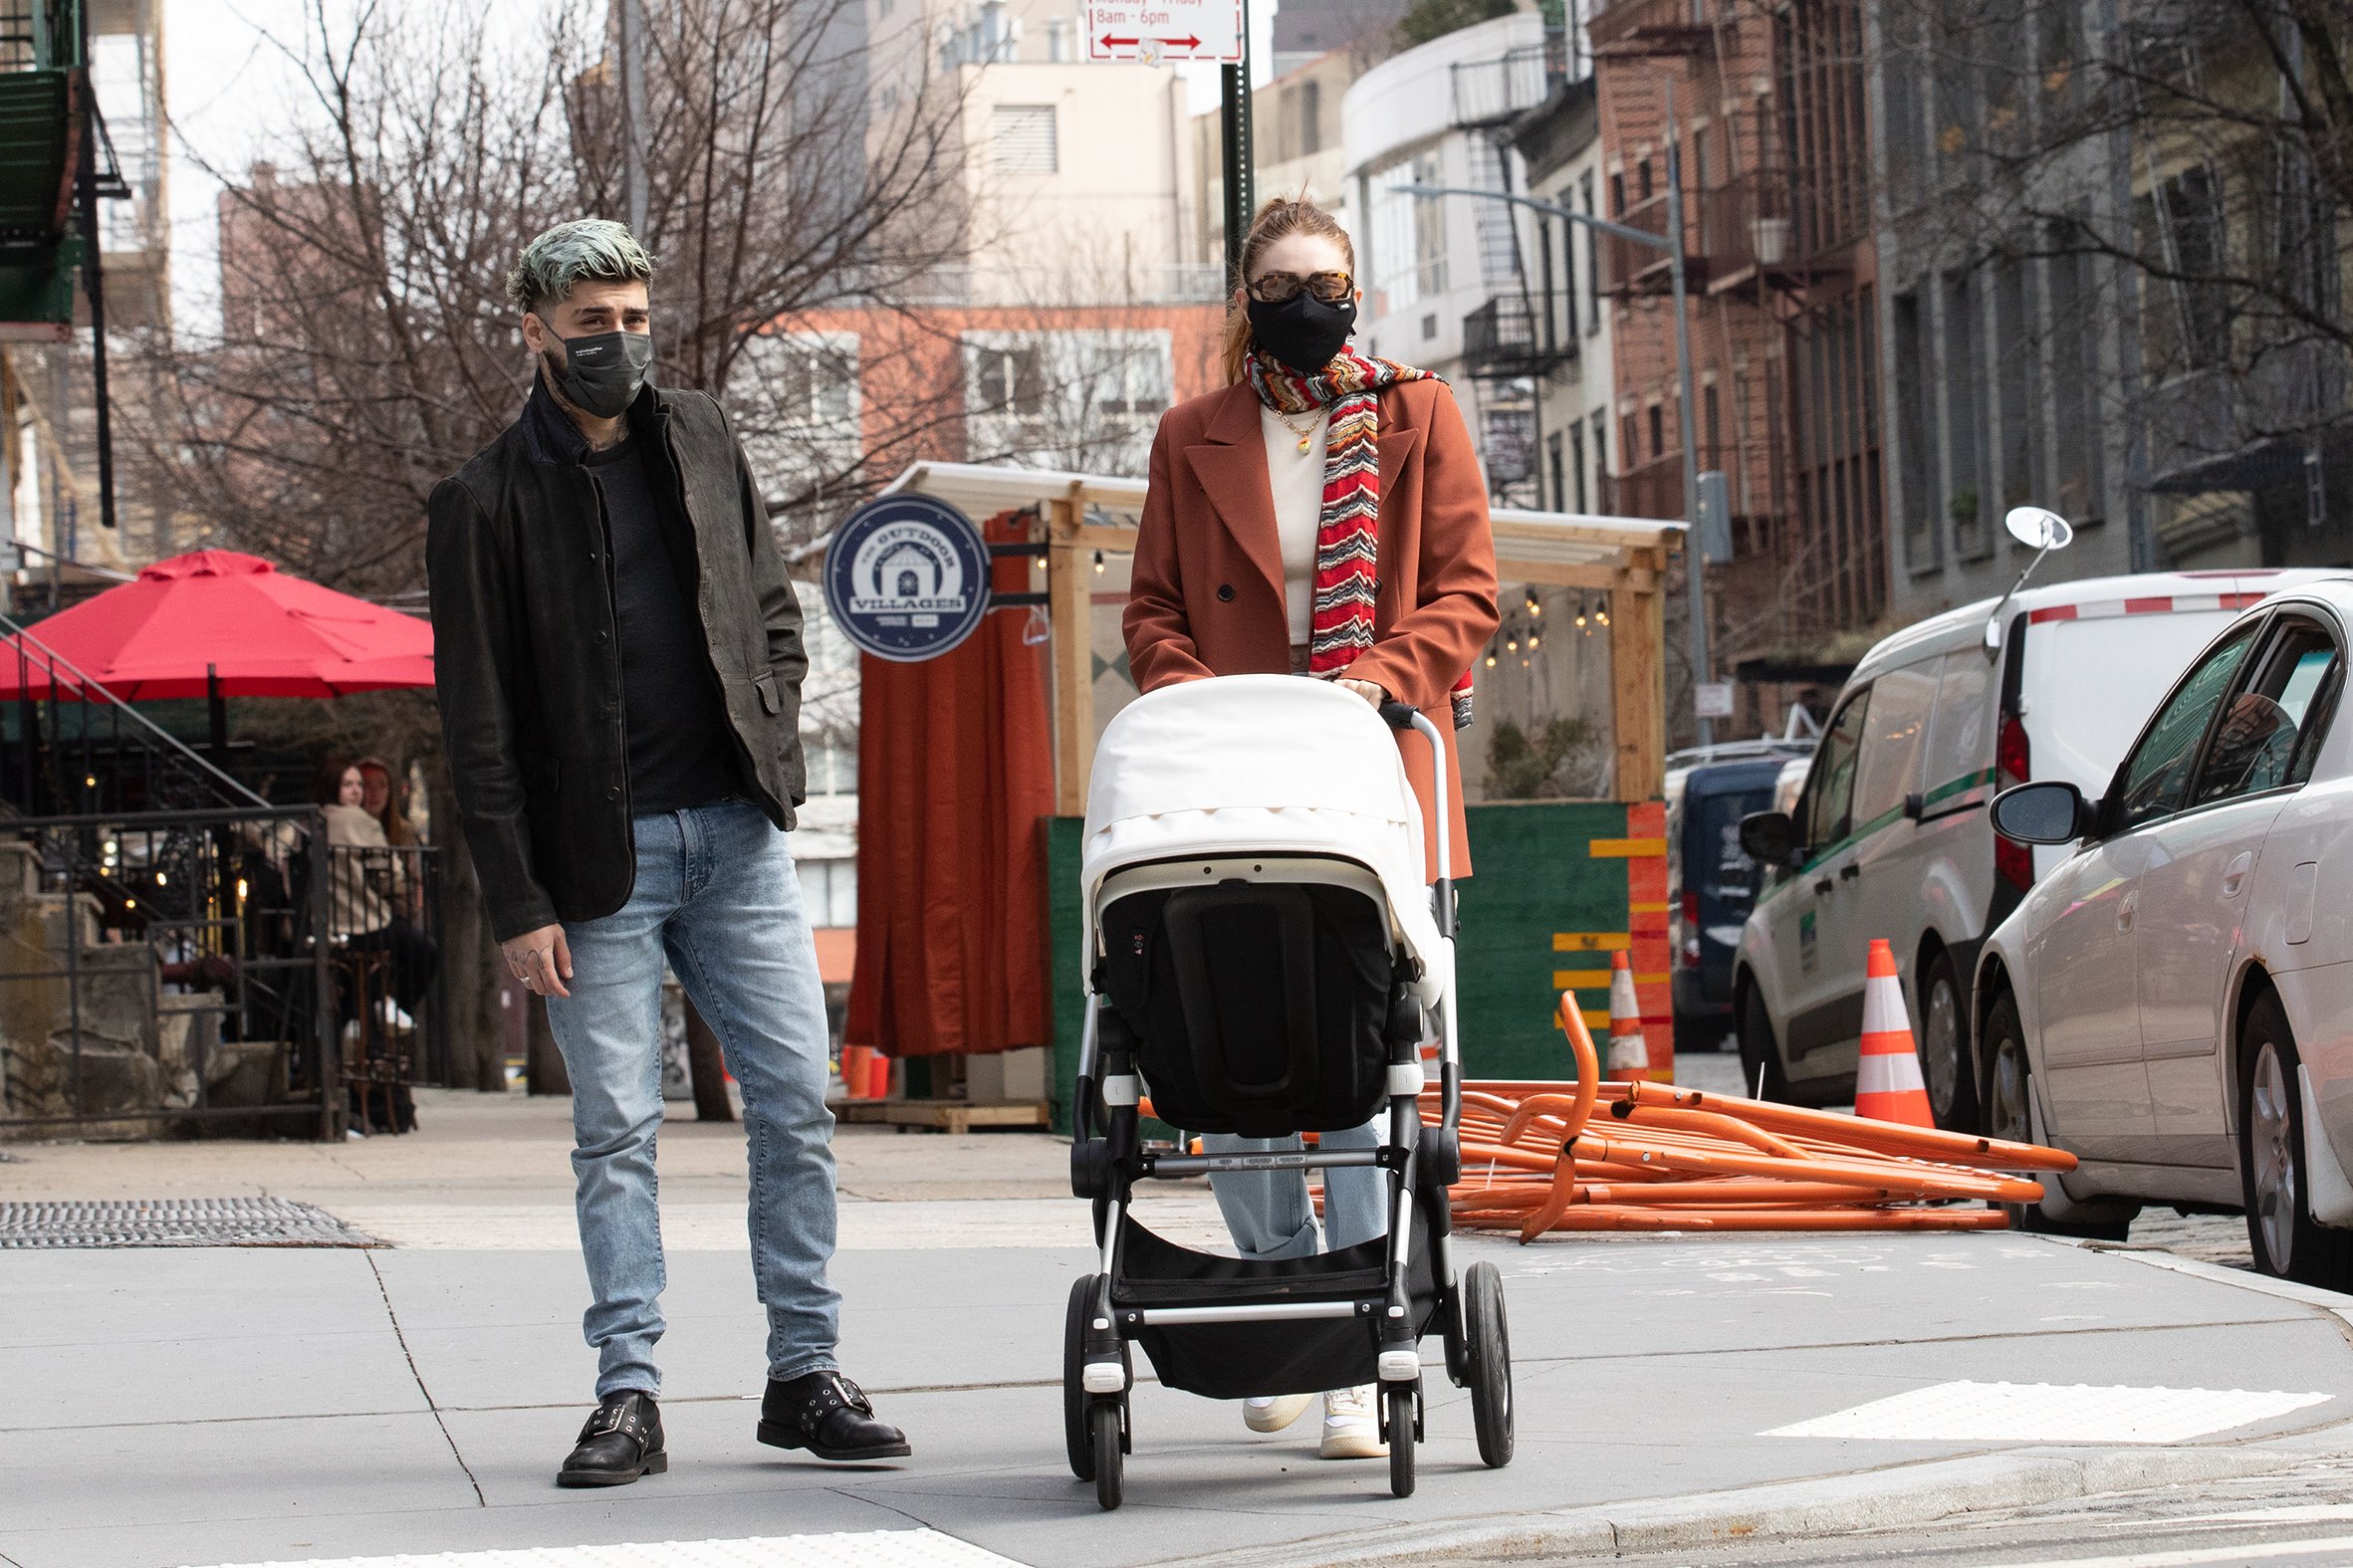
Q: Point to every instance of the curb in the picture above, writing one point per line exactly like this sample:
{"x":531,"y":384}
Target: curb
{"x":1903,"y":1494}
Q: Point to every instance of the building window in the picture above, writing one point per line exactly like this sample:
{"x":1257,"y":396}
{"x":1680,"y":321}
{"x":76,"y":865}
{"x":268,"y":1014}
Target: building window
{"x":1310,"y":117}
{"x":1714,"y":453}
{"x":1058,"y":40}
{"x":1576,"y":460}
{"x":1962,"y":379}
{"x":2014,"y":384}
{"x":1915,"y":455}
{"x":1558,"y":473}
{"x":2188,"y":323}
{"x":1009,"y":378}
{"x":1642,"y":178}
{"x":1022,"y":138}
{"x":1600,"y":446}
{"x":1658,"y":430}
{"x":1408,"y":233}
{"x":1084,"y":400}
{"x":1592,"y":263}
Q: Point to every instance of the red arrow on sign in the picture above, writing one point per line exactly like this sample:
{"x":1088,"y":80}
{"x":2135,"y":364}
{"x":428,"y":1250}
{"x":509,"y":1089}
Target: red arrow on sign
{"x":1116,"y":42}
{"x":1189,"y":43}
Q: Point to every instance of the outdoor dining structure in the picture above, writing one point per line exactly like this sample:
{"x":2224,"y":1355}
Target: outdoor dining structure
{"x":169,"y":951}
{"x":972,"y":768}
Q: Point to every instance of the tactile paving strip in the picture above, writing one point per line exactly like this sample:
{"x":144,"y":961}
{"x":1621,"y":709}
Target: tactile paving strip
{"x":179,"y":1221}
{"x":863,"y":1549}
{"x":2051,"y":1413}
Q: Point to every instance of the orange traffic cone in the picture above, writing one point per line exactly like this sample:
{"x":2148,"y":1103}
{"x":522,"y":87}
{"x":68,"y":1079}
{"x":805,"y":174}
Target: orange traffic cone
{"x":1888,"y":1085}
{"x":1629,"y":1052}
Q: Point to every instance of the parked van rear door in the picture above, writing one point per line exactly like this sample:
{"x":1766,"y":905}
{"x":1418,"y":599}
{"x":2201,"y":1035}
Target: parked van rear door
{"x":1822,"y":1000}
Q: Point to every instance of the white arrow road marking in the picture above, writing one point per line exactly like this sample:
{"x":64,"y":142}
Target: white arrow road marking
{"x":2050,"y":1413}
{"x":849,"y":1549}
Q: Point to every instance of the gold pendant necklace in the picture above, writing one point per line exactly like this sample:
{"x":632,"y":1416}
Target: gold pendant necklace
{"x":1307,"y":437}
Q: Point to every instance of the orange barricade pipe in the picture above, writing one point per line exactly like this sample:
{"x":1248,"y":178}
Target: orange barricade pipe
{"x":1534,"y":1160}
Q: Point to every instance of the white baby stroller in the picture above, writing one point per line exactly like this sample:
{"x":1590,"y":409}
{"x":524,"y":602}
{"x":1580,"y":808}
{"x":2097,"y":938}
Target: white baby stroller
{"x":1264,"y":958}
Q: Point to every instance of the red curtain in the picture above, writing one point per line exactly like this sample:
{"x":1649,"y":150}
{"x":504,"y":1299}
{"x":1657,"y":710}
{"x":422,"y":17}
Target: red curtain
{"x":955,"y":771}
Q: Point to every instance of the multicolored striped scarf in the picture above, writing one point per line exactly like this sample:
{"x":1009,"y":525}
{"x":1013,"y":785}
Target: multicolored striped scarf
{"x":1347,"y":530}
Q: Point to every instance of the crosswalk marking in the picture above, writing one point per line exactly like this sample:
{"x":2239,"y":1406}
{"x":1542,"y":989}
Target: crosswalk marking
{"x":847,"y":1549}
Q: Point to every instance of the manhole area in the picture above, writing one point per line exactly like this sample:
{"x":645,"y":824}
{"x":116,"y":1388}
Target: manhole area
{"x":182,"y":1222}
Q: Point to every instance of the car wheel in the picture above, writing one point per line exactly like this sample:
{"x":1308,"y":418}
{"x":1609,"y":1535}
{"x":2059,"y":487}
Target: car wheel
{"x":2273,"y":1175}
{"x":1944,"y":1047}
{"x":2010,"y":1115}
{"x":1696,"y":1036}
{"x":1760,"y":1057}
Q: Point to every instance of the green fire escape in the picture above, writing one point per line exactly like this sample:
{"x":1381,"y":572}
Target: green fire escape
{"x":44,"y":92}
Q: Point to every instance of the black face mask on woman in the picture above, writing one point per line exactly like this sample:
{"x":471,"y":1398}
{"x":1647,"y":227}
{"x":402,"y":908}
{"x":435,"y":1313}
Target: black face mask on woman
{"x":1303,"y":332}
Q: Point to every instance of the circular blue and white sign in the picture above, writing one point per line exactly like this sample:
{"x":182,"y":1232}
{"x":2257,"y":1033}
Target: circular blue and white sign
{"x":907,"y":578}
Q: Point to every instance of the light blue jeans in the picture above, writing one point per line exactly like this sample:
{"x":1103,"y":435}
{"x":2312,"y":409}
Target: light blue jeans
{"x":1269,"y":1214}
{"x":717,"y":895}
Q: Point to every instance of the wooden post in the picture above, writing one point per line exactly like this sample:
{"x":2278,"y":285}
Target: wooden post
{"x":1070,"y":608}
{"x":1638,"y":701}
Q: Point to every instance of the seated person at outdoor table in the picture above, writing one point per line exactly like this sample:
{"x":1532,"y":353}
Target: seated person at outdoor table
{"x":369,"y":888}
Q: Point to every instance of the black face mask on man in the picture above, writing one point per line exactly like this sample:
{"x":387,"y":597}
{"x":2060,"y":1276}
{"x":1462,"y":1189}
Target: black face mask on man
{"x":1303,"y":332}
{"x":601,"y":372}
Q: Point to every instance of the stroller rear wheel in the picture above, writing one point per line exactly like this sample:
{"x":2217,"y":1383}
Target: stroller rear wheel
{"x":1076,"y":1441}
{"x":1103,"y":1426}
{"x":1489,"y":1351}
{"x":1404,"y":1430}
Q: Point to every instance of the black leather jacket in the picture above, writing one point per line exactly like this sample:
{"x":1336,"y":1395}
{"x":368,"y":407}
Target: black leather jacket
{"x":529,"y":673}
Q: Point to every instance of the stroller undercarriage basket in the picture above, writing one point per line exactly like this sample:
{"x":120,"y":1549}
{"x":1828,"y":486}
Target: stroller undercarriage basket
{"x":1242,"y":1360}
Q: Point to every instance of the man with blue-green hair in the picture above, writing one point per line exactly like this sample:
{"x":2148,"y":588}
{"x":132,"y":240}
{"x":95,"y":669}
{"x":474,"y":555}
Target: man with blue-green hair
{"x":618,"y":660}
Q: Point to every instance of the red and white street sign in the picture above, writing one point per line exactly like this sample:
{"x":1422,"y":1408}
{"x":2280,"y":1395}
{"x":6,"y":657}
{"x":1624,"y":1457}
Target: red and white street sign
{"x":1156,"y":30}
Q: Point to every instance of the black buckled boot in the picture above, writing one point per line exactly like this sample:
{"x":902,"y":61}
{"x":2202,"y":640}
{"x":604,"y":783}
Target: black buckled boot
{"x":831,"y":1417}
{"x":621,"y":1443}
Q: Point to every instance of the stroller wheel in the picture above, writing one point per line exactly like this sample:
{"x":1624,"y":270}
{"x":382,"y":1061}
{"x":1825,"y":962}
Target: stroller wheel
{"x":1077,"y":1445}
{"x":1103,"y":1427}
{"x":1402,"y":1434}
{"x":1490,"y":1356}
{"x":1076,"y":1441}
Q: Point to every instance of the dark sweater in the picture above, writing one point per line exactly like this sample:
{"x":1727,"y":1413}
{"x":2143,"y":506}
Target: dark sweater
{"x":678,"y":739}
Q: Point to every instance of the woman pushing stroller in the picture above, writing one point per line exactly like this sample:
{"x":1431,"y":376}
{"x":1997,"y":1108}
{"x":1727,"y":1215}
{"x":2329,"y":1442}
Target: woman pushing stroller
{"x":1323,"y":514}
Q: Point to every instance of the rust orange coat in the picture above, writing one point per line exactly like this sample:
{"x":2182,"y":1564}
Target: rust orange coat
{"x":1208,"y":595}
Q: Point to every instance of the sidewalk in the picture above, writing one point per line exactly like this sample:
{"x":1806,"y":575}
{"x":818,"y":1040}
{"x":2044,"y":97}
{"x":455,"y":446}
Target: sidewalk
{"x":232,"y":1405}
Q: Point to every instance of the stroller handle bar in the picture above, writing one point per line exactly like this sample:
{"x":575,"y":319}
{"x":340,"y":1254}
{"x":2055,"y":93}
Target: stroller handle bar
{"x":1405,"y":716}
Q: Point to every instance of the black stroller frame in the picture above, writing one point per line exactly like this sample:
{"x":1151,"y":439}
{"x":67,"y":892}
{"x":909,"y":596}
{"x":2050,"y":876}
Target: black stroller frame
{"x":1341,"y":1318}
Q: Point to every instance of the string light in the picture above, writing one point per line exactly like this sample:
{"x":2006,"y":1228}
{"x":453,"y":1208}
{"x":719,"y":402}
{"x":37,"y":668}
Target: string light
{"x":1534,"y":640}
{"x":1601,"y":617}
{"x":1099,"y":562}
{"x":1580,"y":614}
{"x":1511,"y":645}
{"x":1534,"y":608}
{"x":1491,"y":657}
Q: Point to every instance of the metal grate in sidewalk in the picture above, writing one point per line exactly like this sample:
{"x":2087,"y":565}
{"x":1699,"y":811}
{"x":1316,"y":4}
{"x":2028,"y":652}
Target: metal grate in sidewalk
{"x":177,"y":1221}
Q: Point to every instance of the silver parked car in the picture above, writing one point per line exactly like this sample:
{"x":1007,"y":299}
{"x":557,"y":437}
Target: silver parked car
{"x":2173,"y":1002}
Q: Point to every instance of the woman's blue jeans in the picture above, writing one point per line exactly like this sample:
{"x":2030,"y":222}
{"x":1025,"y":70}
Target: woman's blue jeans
{"x":717,"y":897}
{"x":1268,"y":1212}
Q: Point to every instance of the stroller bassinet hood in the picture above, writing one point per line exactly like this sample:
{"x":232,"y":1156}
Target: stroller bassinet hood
{"x":1262,"y":763}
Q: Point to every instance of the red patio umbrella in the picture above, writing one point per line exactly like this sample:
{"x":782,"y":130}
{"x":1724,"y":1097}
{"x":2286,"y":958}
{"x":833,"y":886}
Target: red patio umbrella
{"x":215,"y":623}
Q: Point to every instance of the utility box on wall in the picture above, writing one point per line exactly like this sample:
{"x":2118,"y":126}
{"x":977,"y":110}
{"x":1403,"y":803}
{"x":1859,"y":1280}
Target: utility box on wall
{"x":1558,"y":887}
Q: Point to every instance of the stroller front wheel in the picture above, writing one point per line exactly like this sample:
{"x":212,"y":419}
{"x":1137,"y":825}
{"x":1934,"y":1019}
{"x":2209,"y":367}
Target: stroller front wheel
{"x":1403,"y":1433}
{"x":1103,"y":1429}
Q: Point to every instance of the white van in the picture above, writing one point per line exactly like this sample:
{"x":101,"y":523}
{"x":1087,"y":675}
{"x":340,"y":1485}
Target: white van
{"x":1889,"y":836}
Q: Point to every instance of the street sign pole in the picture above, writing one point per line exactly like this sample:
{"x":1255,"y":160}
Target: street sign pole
{"x":1240,"y":200}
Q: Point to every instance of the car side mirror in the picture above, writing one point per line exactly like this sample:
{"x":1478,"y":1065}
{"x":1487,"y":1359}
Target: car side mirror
{"x":2052,"y":811}
{"x":1767,"y":838}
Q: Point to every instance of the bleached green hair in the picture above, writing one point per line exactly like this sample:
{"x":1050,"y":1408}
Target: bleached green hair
{"x":586,"y":248}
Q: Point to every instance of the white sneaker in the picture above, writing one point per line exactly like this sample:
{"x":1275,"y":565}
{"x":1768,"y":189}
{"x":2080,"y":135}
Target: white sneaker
{"x":1350,"y":1430}
{"x":1276,"y":1413}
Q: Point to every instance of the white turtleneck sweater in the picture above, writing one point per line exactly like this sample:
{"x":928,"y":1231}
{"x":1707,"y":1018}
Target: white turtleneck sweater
{"x":1296,"y":479}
